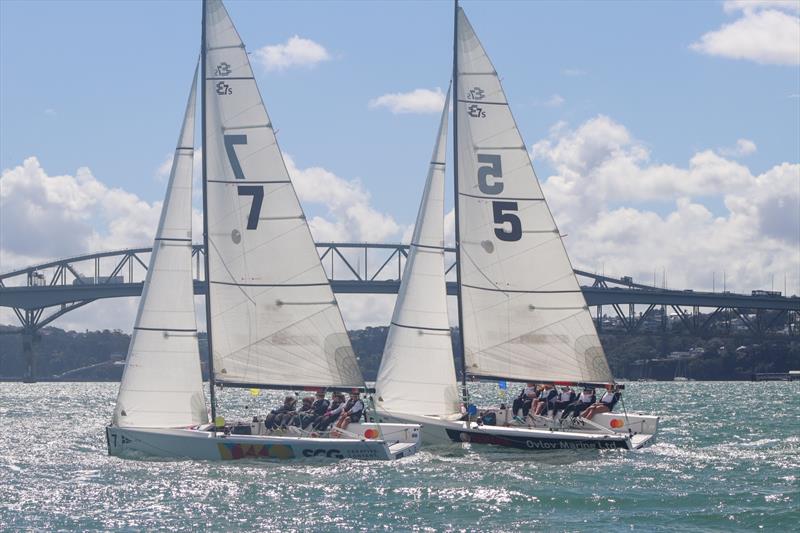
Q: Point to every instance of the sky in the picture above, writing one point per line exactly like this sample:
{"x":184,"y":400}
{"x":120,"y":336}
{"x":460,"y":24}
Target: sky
{"x":666,"y":134}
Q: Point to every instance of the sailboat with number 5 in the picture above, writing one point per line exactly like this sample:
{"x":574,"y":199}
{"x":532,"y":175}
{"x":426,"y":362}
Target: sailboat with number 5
{"x":521,"y":312}
{"x":272,"y":318}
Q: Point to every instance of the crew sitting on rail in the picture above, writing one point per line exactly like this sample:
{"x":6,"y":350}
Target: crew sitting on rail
{"x":566,"y":397}
{"x":605,"y":405}
{"x":335,"y":409}
{"x":353,"y":410}
{"x":545,"y":401}
{"x":584,"y":401}
{"x":275,"y":417}
{"x":318,"y":409}
{"x":304,"y":411}
{"x":524,"y":400}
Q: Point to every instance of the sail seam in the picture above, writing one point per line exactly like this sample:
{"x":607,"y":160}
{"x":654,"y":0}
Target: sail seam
{"x":418,"y":327}
{"x":192,"y":330}
{"x":231,"y":78}
{"x":168,"y":239}
{"x":527,"y":292}
{"x":482,"y":102}
{"x":249,"y":181}
{"x":481,"y":197}
{"x":269,"y":284}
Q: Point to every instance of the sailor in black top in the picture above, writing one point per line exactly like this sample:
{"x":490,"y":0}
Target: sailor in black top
{"x":584,"y":401}
{"x":353,"y":410}
{"x":605,"y":405}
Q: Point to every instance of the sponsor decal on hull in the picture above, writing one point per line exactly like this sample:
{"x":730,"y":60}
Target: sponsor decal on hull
{"x":230,"y":451}
{"x":532,"y":443}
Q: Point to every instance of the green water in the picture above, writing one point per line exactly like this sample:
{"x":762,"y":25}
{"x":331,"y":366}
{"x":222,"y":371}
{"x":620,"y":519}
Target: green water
{"x":718,"y":465}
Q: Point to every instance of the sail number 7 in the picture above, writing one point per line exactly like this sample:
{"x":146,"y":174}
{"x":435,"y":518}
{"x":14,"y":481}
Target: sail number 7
{"x":256,"y":191}
{"x":504,"y":213}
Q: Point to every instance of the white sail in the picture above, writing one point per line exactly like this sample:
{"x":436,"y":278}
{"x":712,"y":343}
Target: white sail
{"x":274,"y":319}
{"x":162,"y":385}
{"x":417,"y":374}
{"x":524,"y":316}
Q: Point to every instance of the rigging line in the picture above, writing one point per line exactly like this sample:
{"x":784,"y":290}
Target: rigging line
{"x":171,"y":239}
{"x":184,"y":330}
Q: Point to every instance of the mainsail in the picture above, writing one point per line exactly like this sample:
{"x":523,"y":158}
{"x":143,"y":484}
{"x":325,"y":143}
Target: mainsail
{"x":162,"y":385}
{"x":274,"y":319}
{"x":417,"y":373}
{"x":524,"y":316}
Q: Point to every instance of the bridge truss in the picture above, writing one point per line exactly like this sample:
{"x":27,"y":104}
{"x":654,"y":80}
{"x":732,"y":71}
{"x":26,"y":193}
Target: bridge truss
{"x":42,"y":293}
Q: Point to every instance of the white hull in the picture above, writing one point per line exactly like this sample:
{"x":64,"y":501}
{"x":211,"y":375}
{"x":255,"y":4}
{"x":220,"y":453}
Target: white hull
{"x":398,"y":441}
{"x":610,"y":431}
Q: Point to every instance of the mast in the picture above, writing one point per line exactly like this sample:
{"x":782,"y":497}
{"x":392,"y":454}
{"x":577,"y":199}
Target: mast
{"x":211,"y":392}
{"x":455,"y":206}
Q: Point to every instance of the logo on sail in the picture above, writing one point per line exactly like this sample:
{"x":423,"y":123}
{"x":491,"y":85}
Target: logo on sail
{"x":223,"y":89}
{"x":476,"y":111}
{"x":223,"y":69}
{"x":476,"y":93}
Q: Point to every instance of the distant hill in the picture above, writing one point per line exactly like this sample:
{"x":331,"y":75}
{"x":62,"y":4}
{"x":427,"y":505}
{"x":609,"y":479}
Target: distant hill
{"x":96,"y":355}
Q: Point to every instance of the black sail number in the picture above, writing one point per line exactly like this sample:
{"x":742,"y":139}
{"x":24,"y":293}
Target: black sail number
{"x":509,"y":226}
{"x":256,"y":191}
{"x":504,"y":214}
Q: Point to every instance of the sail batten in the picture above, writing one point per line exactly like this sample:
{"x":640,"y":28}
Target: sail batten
{"x":162,"y":383}
{"x":273,"y":315}
{"x":524,"y":316}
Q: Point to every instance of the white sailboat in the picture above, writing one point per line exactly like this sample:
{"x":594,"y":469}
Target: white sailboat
{"x":273,"y":321}
{"x":521,"y":311}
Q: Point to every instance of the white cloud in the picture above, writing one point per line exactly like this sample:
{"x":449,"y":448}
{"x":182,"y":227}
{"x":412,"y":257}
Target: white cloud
{"x":350,"y":216}
{"x":767,"y":32}
{"x":416,"y":101}
{"x":599,"y":166}
{"x":554,"y":101}
{"x":296,"y":51}
{"x":744,"y":147}
{"x":573,"y":72}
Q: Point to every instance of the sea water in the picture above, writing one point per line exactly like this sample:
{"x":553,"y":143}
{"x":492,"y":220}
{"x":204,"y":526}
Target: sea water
{"x":727,"y":458}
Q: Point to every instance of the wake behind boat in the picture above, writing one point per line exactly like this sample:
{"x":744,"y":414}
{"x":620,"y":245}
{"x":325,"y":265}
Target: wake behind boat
{"x":272,"y":318}
{"x":521,"y":312}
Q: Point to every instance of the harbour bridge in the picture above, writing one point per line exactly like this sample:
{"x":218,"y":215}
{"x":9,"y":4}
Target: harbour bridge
{"x":40,"y":294}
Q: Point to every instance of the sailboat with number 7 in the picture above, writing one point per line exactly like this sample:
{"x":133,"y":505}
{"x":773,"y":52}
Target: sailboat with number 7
{"x":521,"y":312}
{"x":272,"y":318}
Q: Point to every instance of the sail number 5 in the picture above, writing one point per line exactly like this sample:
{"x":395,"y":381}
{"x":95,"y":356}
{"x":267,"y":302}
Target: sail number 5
{"x":256,"y":191}
{"x":504,"y":212}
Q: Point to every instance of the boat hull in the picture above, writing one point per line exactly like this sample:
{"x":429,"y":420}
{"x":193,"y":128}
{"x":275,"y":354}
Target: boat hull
{"x":218,"y":446}
{"x":613,"y":435}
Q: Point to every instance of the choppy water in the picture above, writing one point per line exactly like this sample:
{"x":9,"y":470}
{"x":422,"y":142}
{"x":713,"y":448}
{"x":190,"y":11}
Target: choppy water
{"x":717,"y":466}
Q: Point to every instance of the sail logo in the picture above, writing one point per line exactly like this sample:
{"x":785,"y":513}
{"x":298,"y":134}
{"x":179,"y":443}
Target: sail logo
{"x":476,"y":93}
{"x":223,"y":69}
{"x":475,"y":111}
{"x":223,"y":89}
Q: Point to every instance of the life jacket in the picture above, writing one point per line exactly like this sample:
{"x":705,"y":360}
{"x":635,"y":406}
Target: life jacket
{"x":587,"y":397}
{"x":320,"y":406}
{"x":610,"y":398}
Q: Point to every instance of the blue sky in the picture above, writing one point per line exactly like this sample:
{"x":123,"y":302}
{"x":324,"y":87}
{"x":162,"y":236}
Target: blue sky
{"x":103,"y":85}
